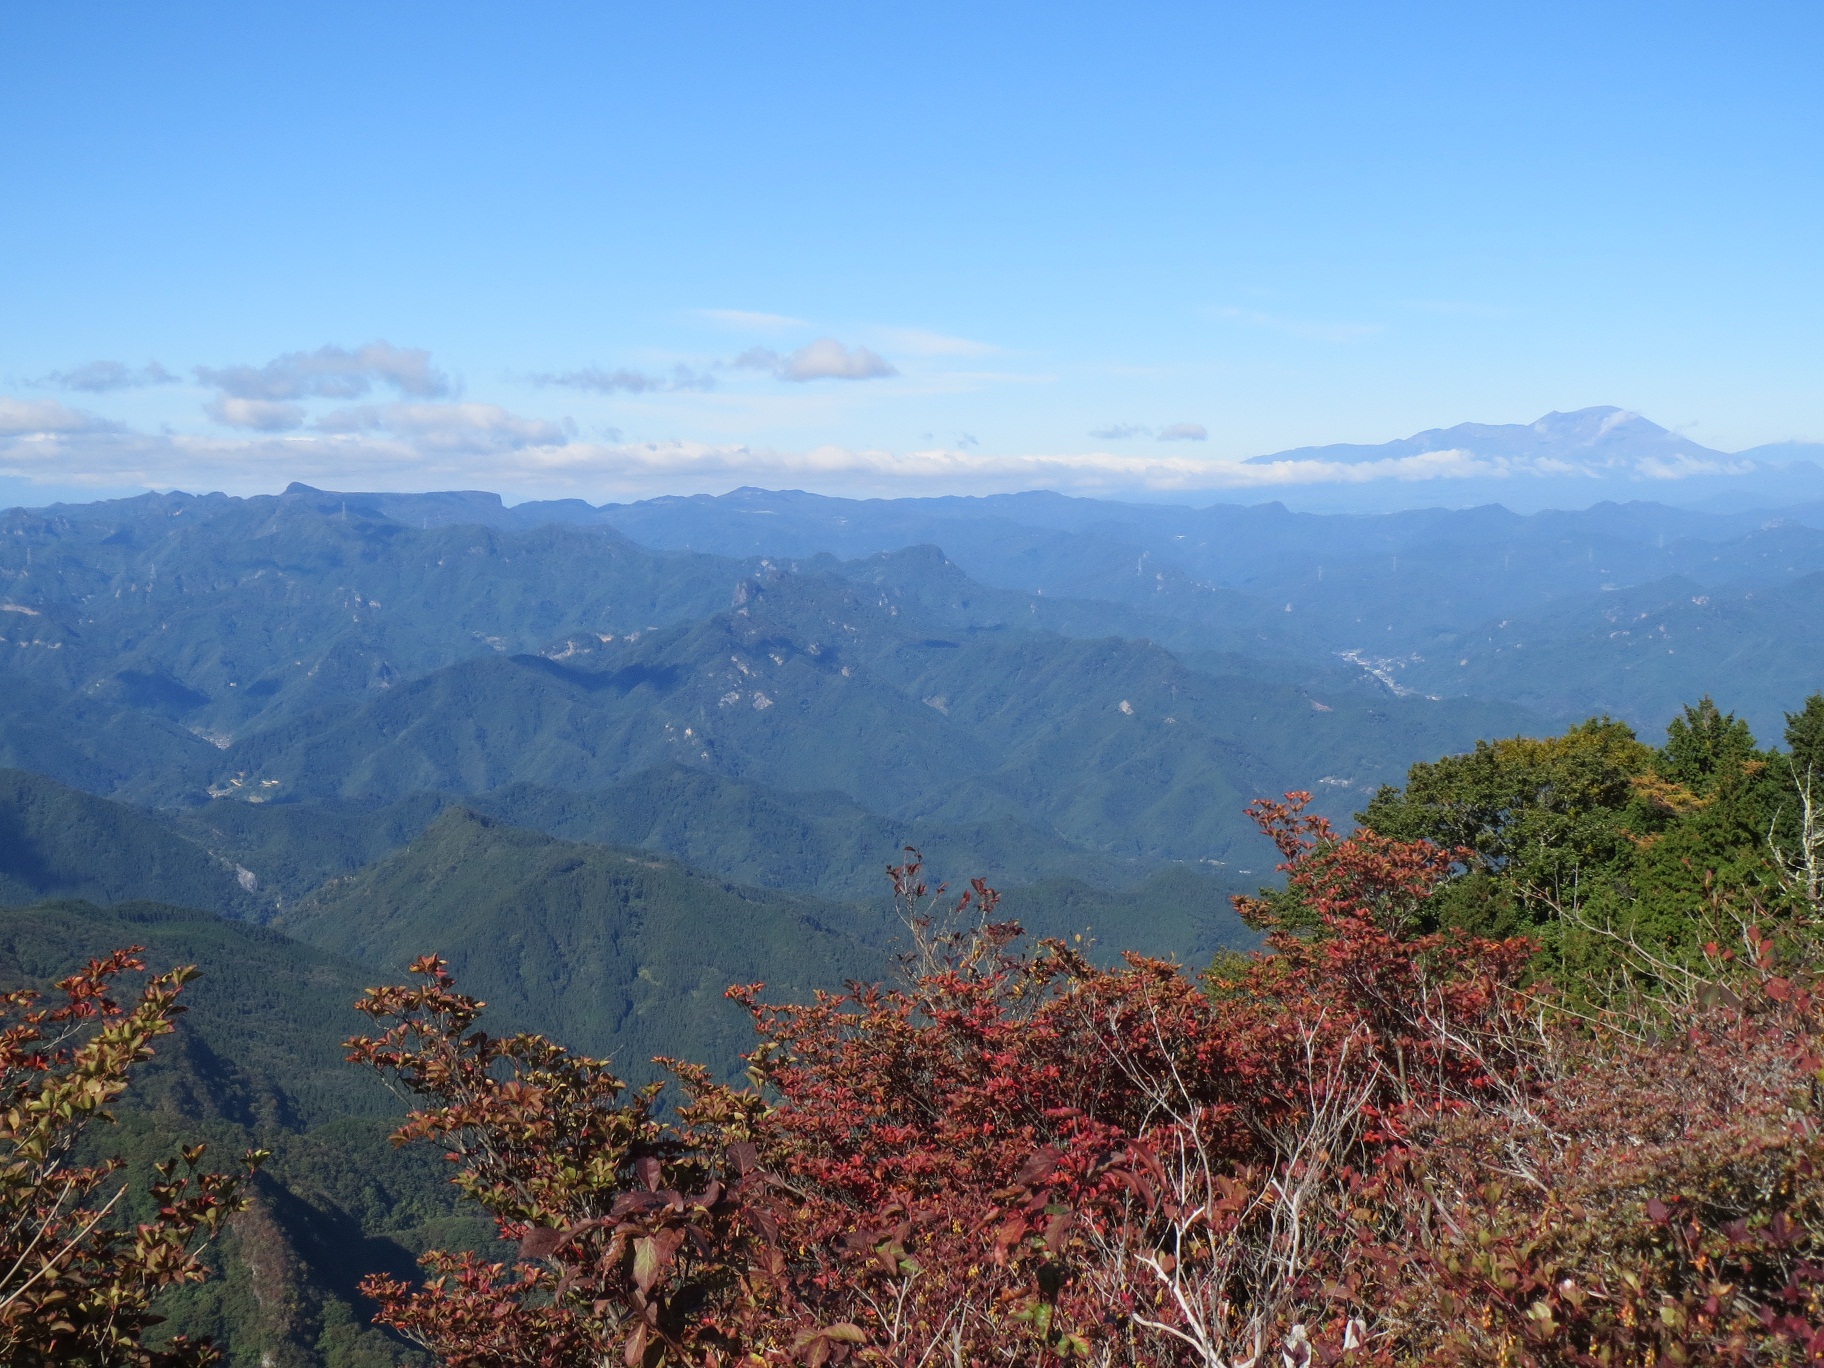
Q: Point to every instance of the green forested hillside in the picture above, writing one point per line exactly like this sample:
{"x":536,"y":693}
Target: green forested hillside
{"x":617,"y":951}
{"x":262,"y":1040}
{"x":1640,"y":653}
{"x":257,"y":1060}
{"x":813,"y":683}
{"x":105,"y":748}
{"x":822,"y":844}
{"x":295,"y":848}
{"x":59,"y":842}
{"x":816,"y":842}
{"x":1182,"y":912}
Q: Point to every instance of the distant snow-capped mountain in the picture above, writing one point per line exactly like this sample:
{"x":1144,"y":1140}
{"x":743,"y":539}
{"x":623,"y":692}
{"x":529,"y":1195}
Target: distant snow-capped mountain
{"x":1602,"y":438}
{"x":1590,"y":453}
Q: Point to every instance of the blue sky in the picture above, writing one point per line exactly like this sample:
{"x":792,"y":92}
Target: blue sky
{"x":615,"y":251}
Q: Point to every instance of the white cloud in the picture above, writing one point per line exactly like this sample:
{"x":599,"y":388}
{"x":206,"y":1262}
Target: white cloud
{"x":448,"y":429}
{"x":674,"y":465}
{"x":442,"y":446}
{"x":416,"y":438}
{"x":331,"y":373}
{"x":828,"y":359}
{"x":601,"y":381}
{"x":36,"y":419}
{"x":99,"y":377}
{"x":824,"y":359}
{"x":1454,"y":464}
{"x":1682,"y":467}
{"x":260,"y":415}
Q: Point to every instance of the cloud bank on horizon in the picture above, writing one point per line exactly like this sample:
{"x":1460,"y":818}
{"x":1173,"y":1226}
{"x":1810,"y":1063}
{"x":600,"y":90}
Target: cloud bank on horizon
{"x":381,"y":416}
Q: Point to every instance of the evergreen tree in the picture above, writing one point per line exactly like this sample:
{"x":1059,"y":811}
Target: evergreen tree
{"x":1704,"y":745}
{"x":1805,"y":737}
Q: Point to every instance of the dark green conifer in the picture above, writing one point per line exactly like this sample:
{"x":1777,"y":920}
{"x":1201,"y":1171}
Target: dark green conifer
{"x":1805,"y":737}
{"x":1704,"y":745}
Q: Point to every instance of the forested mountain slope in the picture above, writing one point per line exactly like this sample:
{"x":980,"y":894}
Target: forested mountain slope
{"x":258,"y":1060}
{"x":618,"y":950}
{"x":59,"y":842}
{"x":814,"y":683}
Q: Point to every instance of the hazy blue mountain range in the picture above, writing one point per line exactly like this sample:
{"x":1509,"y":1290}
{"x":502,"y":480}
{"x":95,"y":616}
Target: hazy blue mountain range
{"x":1785,"y":452}
{"x":1376,"y":588}
{"x":1601,"y":448}
{"x":814,"y":683}
{"x":376,"y":591}
{"x":299,"y":646}
{"x":170,"y":646}
{"x":1079,"y":690}
{"x":1640,"y":650}
{"x":227,"y":613}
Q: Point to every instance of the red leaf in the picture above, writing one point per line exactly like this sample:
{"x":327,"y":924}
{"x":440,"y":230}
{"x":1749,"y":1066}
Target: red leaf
{"x":1039,"y":1167}
{"x":636,"y":1346}
{"x":540,"y":1242}
{"x":652,"y":1254}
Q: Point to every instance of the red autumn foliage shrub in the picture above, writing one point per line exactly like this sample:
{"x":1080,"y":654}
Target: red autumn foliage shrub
{"x":1662,"y":1202}
{"x":1369,"y":1145}
{"x":76,"y":1281}
{"x":1365,"y":877}
{"x":636,"y":1236}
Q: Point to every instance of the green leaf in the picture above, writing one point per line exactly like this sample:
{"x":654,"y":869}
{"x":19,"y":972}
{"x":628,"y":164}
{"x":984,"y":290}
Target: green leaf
{"x":646,"y":1263}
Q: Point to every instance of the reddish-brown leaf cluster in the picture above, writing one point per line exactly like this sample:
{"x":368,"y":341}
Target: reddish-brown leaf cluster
{"x":1366,"y":876}
{"x":1366,"y":1146}
{"x":76,"y":1279}
{"x":636,"y":1236}
{"x":1662,"y":1202}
